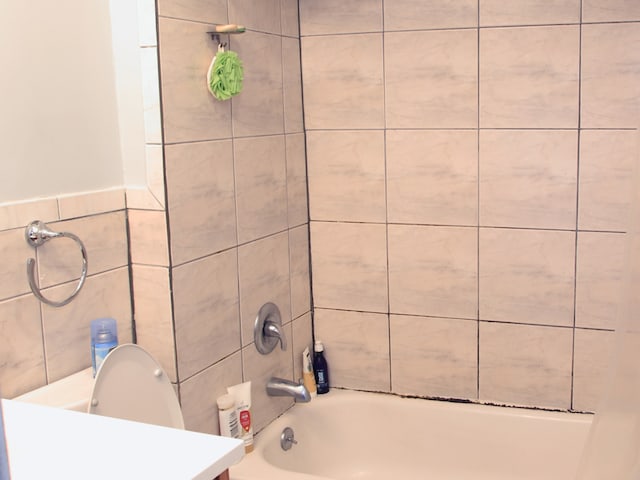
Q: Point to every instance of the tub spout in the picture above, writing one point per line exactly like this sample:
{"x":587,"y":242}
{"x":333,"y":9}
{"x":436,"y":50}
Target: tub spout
{"x":280,"y":387}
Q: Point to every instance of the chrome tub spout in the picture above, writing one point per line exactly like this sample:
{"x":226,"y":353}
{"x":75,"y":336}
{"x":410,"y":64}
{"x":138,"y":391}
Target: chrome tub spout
{"x":280,"y":387}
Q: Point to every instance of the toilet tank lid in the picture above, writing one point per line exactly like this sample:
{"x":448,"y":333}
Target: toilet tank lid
{"x":70,"y":392}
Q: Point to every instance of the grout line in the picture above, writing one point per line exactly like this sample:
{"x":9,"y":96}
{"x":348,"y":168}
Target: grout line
{"x":478,"y":207}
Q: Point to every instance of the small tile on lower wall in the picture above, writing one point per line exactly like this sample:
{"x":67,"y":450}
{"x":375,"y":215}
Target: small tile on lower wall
{"x":21,"y":353}
{"x":299,"y":268}
{"x":148,"y":237}
{"x":525,"y":365}
{"x":434,"y":357}
{"x":356,"y":348}
{"x":198,"y":394}
{"x":592,"y":369}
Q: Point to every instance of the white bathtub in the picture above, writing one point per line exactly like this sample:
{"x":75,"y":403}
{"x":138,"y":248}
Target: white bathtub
{"x":356,"y":435}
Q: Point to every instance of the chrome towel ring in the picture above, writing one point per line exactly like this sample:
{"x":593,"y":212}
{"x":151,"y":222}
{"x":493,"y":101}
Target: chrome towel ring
{"x":36,"y":234}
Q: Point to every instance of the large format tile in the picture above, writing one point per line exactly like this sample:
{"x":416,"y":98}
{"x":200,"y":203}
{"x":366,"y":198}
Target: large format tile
{"x":298,"y":204}
{"x":610,"y":75}
{"x":435,"y":85}
{"x":201,"y":200}
{"x":16,"y":251}
{"x":527,"y":276}
{"x":349,"y":265}
{"x":148,"y":237}
{"x":432,"y":176}
{"x":258,"y":109}
{"x":343,"y":83}
{"x":340,"y":16}
{"x":420,"y":15}
{"x":525,"y":365}
{"x":434,"y":357}
{"x":189,"y":111}
{"x":528,"y":178}
{"x":346,"y":175}
{"x":299,"y":267}
{"x":104,"y":237}
{"x":433,"y":271}
{"x":206,"y":312}
{"x":211,"y":11}
{"x":529,"y":12}
{"x":21,"y":351}
{"x":538,"y":89}
{"x":592,"y":369}
{"x":199,"y":410}
{"x":67,"y":329}
{"x":607,"y":160}
{"x":356,"y":348}
{"x":261,"y":186}
{"x":610,"y":11}
{"x":263,"y":16}
{"x":289,"y":18}
{"x":292,"y":85}
{"x":600,"y":279}
{"x":153,"y":315}
{"x":264,"y":277}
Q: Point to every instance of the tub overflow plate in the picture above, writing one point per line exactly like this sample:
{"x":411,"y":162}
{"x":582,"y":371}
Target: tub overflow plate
{"x":287,"y":439}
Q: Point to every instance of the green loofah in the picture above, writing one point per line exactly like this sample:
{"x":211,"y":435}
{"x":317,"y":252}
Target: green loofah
{"x":226,"y":75}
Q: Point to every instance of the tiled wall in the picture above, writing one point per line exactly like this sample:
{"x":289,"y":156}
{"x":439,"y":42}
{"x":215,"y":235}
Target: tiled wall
{"x":468,"y":164}
{"x":237,"y":216}
{"x":40,"y":343}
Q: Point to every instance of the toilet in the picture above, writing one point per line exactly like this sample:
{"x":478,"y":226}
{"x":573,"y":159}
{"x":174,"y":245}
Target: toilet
{"x":130,"y":385}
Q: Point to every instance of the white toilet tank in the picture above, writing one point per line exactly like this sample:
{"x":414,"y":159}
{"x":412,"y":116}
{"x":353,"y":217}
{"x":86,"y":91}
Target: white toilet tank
{"x":71,"y":393}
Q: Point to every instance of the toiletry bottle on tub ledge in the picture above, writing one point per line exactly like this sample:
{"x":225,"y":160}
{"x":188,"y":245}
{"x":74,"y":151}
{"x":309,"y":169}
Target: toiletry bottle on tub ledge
{"x":320,"y":368}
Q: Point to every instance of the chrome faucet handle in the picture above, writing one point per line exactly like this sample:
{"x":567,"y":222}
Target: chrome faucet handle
{"x":267,"y":330}
{"x":272,"y":329}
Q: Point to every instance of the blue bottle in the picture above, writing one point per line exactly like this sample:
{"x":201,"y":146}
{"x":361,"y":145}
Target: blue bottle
{"x":104,"y":338}
{"x":320,"y":368}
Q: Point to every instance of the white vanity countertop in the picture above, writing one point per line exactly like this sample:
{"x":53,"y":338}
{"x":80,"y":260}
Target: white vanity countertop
{"x":47,"y":442}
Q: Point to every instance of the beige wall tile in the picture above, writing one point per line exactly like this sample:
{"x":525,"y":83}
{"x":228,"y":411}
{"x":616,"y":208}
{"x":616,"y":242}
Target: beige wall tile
{"x":148,"y":233}
{"x":211,"y":11}
{"x":610,"y":11}
{"x":104,"y":237}
{"x":14,"y":251}
{"x":418,"y":14}
{"x":189,"y":111}
{"x":432,"y":176}
{"x":349,"y":265}
{"x":340,"y":16}
{"x":536,"y":90}
{"x":610,"y":75}
{"x":201,"y":200}
{"x":434,"y":357}
{"x":258,"y":109}
{"x":153,"y":314}
{"x":206,"y":312}
{"x":527,"y":276}
{"x":433,"y":270}
{"x":155,"y":173}
{"x":263,"y":16}
{"x":21,"y":351}
{"x":434,"y":86}
{"x":261,"y":186}
{"x":529,"y":12}
{"x":299,"y":267}
{"x":600,"y":278}
{"x":592,"y":369}
{"x":346,"y":91}
{"x":525,"y":365}
{"x":67,"y":329}
{"x":528,"y":178}
{"x":302,"y":337}
{"x":292,"y":85}
{"x":92,"y":203}
{"x":199,"y":393}
{"x":298,"y":208}
{"x":356,"y":348}
{"x":607,"y":159}
{"x":259,"y":369}
{"x":347,"y":175}
{"x":264,"y":277}
{"x":15,"y":215}
{"x":289,"y":18}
